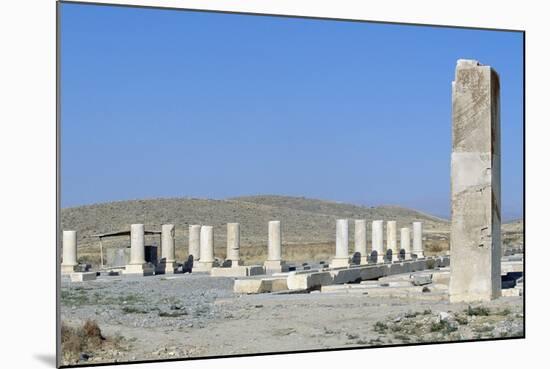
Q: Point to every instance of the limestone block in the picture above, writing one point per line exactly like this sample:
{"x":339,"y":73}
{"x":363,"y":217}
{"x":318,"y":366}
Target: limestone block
{"x":82,"y":277}
{"x":475,"y":184}
{"x":308,"y":280}
{"x":247,"y":286}
{"x":139,"y":269}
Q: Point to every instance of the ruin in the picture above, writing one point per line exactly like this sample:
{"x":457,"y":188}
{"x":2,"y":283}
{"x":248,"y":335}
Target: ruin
{"x":418,"y":246}
{"x":233,"y":244}
{"x":361,"y":240}
{"x":406,"y":242}
{"x":378,"y":240}
{"x":69,"y":262}
{"x":475,"y":184}
{"x":274,"y":263}
{"x":341,"y":258}
{"x":137,"y":264}
{"x":194,"y":241}
{"x":391,"y":238}
{"x":206,"y":261}
{"x":168,"y":264}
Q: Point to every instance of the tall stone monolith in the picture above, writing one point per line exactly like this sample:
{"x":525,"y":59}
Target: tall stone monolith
{"x":475,"y":184}
{"x":69,"y":262}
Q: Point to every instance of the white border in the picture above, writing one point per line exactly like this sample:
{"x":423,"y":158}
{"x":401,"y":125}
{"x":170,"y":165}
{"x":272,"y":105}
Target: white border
{"x":27,"y":152}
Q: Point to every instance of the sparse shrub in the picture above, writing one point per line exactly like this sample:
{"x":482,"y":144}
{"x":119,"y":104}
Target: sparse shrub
{"x":442,"y":326}
{"x":504,"y":312}
{"x":461,"y":319}
{"x":427,"y":312}
{"x":477,"y":311}
{"x":75,"y":341}
{"x":380,"y":327}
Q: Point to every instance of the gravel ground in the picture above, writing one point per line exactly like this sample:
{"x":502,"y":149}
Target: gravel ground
{"x":194,"y":315}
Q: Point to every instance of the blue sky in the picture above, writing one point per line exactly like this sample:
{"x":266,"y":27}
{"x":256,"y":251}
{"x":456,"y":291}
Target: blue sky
{"x":163,"y":103}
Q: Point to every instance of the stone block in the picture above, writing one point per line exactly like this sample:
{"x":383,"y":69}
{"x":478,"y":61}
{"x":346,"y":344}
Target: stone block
{"x":139,"y":269}
{"x":84,"y":276}
{"x":307,"y":281}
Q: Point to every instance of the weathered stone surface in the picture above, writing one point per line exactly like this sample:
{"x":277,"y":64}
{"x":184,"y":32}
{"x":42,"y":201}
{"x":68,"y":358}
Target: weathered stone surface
{"x":237,"y":271}
{"x":82,"y":277}
{"x":302,"y":281}
{"x":361,"y":241}
{"x":206,"y":262}
{"x":69,"y":261}
{"x":233,"y":242}
{"x":194,"y":241}
{"x":137,"y":264}
{"x":378,"y":239}
{"x":406,"y":242}
{"x":167,"y":263}
{"x":341,"y":258}
{"x":391,"y":238}
{"x":475,"y":184}
{"x":418,"y":247}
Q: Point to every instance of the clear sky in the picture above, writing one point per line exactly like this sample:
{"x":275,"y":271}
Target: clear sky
{"x":164,"y":103}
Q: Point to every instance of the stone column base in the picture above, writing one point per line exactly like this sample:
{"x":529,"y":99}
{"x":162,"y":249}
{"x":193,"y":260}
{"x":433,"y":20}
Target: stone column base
{"x":68,"y":269}
{"x":166,"y":268}
{"x":419,"y":254}
{"x":203,"y":266}
{"x":341,"y":262}
{"x":273,"y":266}
{"x":139,"y":269}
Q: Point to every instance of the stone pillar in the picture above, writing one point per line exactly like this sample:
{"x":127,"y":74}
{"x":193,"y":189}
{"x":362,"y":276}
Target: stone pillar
{"x":378,"y":239}
{"x":137,"y":263}
{"x":274,"y":264}
{"x":418,"y":248}
{"x":475,"y":184}
{"x":168,"y":239}
{"x":195,"y":241}
{"x":406,"y":242}
{"x":69,"y":262}
{"x":341,"y":258}
{"x":391,"y":239}
{"x":361,"y":239}
{"x":206,"y":261}
{"x":233,"y":243}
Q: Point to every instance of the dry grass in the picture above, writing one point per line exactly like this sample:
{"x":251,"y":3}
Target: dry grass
{"x":86,"y":339}
{"x":75,"y":341}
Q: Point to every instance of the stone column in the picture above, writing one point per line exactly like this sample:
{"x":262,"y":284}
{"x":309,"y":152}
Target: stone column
{"x":475,"y":184}
{"x":69,"y":263}
{"x":406,"y":242}
{"x":418,"y":248}
{"x":391,"y":239}
{"x":361,"y":239}
{"x":273,"y":264}
{"x":233,"y":243}
{"x":206,"y":261}
{"x":194,"y":241}
{"x":341,"y":258}
{"x":137,"y":263}
{"x":378,"y":239}
{"x":168,"y":239}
